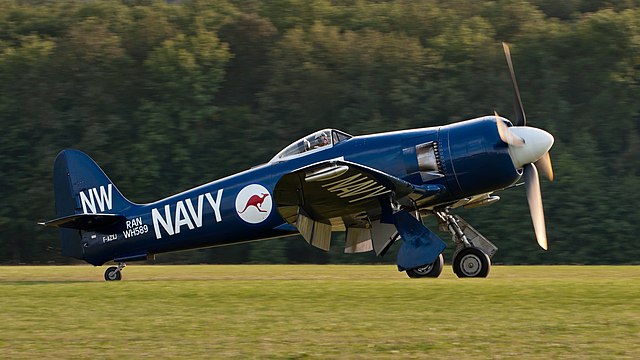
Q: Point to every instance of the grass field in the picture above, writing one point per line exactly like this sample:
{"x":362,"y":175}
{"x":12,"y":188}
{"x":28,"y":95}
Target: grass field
{"x":319,"y":312}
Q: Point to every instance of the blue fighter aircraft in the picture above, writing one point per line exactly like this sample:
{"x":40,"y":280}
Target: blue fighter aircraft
{"x":375,"y":187}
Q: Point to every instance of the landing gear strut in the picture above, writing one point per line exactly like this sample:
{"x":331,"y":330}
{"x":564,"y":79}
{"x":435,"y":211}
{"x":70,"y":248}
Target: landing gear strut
{"x":114,"y":273}
{"x":473,"y":252}
{"x":430,"y":270}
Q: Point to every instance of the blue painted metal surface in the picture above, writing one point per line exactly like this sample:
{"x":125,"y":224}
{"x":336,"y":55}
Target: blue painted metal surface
{"x":240,"y":208}
{"x":420,"y":246}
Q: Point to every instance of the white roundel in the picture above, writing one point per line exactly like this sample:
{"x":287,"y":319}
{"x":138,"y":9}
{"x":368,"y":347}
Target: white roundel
{"x":253,"y":203}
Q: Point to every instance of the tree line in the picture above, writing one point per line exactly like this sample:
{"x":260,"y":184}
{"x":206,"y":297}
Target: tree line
{"x":167,"y":95}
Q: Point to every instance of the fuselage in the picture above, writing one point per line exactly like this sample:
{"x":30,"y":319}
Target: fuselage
{"x":466,"y":158}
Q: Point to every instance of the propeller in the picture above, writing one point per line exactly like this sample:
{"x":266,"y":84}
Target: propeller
{"x":506,"y":134}
{"x":529,"y":150}
{"x":534,"y":198}
{"x":544,"y":164}
{"x":521,"y":119}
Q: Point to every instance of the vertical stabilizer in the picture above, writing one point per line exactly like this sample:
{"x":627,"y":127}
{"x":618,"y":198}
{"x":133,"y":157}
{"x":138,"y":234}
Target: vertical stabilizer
{"x":81,"y":187}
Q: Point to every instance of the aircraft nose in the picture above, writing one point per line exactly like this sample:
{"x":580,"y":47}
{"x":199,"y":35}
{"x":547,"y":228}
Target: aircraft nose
{"x":536,"y":143}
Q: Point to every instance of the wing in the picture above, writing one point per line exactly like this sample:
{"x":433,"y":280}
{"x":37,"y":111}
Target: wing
{"x":342,"y":194}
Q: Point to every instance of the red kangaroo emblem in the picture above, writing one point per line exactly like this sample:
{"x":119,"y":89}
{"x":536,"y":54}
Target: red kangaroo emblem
{"x":256,"y":201}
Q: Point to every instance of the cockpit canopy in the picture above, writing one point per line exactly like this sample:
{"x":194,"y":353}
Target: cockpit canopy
{"x":321,"y":139}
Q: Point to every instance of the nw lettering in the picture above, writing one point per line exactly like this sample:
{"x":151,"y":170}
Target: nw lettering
{"x":103,"y":199}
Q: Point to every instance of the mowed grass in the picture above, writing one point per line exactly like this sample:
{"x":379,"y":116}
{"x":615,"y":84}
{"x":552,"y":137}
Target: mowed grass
{"x":319,"y":312}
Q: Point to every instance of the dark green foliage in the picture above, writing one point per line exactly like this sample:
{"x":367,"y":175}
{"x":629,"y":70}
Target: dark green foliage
{"x":165,"y":95}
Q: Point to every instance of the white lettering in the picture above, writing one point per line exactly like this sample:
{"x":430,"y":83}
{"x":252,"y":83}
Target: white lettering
{"x":164,"y":221}
{"x":340,"y":183}
{"x":378,"y":191}
{"x":182,"y":218}
{"x":187,"y":215}
{"x":356,"y":185}
{"x":104,"y":199}
{"x":215,"y":205}
{"x":196,"y":216}
{"x":87,"y":203}
{"x":134,"y":222}
{"x":109,"y":238}
{"x":135,"y":231}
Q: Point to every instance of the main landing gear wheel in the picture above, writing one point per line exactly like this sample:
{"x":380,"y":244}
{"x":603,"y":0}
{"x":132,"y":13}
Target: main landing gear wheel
{"x":430,"y":270}
{"x":471,"y":262}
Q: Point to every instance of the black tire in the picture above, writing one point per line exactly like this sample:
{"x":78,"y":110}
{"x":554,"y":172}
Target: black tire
{"x":112,"y":274}
{"x":432,"y":270}
{"x":471,"y":262}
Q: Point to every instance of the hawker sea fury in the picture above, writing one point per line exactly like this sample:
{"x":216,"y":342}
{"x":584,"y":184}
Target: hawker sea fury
{"x":376,"y":188}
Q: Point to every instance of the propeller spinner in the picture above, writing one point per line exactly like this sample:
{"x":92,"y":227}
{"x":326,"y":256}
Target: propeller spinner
{"x":529,"y":148}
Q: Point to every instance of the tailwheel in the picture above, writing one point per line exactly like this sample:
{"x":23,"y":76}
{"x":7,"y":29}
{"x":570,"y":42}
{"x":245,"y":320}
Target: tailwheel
{"x":430,"y":270}
{"x":114,"y":273}
{"x":471,"y":262}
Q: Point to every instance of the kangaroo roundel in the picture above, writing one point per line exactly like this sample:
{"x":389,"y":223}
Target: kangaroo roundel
{"x":253,"y":203}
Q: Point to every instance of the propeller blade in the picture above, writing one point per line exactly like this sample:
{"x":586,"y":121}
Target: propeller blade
{"x":544,"y":164}
{"x":506,"y":134}
{"x":521,"y":119}
{"x":534,"y":197}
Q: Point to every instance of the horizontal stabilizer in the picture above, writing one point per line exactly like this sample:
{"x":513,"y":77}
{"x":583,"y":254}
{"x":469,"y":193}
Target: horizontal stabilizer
{"x":84,"y":221}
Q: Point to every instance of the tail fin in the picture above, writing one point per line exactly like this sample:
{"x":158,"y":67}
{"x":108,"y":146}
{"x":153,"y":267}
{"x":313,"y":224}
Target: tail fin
{"x":81,"y":187}
{"x":85,"y":199}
